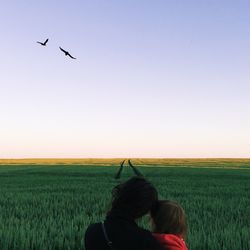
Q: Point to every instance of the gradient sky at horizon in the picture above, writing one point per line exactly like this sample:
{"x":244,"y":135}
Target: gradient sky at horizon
{"x":151,"y":79}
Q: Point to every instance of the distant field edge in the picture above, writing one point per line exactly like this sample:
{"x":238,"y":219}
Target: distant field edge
{"x":225,"y":163}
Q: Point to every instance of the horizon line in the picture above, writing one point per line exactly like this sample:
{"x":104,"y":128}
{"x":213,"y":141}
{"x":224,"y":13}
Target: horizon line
{"x":64,"y":158}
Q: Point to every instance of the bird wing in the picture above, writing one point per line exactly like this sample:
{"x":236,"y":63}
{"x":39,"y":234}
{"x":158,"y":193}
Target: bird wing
{"x":46,"y":41}
{"x":72,"y":56}
{"x":63,"y":50}
{"x":40,"y":42}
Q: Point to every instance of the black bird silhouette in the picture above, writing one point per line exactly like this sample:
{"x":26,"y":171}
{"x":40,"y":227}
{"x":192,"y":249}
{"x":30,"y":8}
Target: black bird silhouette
{"x":67,"y":53}
{"x":44,"y":44}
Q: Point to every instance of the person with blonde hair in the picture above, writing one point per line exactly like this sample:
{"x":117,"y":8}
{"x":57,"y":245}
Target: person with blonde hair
{"x":168,"y":224}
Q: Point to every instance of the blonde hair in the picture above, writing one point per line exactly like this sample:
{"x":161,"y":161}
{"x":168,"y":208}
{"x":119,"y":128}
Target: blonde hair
{"x":169,"y":217}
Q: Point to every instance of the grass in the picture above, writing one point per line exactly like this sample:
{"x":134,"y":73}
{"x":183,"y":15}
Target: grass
{"x":44,"y":207}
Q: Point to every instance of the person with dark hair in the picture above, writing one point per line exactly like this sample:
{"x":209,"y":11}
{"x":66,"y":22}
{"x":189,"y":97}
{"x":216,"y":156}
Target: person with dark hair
{"x":168,"y":224}
{"x":130,"y":200}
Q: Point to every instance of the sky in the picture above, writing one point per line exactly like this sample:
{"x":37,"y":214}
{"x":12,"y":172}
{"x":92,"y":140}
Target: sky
{"x":164,"y":78}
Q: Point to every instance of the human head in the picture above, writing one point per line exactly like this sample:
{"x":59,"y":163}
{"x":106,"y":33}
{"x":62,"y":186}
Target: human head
{"x":134,"y":198}
{"x":168,"y":217}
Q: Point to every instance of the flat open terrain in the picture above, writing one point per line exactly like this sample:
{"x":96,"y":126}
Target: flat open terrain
{"x":47,"y":204}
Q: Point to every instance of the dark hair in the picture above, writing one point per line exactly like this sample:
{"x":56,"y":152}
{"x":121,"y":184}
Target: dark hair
{"x":169,"y":218}
{"x":134,"y":197}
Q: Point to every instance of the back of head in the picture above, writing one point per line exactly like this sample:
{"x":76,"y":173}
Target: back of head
{"x":168,"y":217}
{"x":134,"y":197}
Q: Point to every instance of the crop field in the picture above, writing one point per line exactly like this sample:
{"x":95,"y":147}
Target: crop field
{"x":47,"y":204}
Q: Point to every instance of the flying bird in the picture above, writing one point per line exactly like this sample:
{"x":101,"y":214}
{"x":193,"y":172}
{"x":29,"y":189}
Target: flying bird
{"x":44,"y":44}
{"x":67,"y":53}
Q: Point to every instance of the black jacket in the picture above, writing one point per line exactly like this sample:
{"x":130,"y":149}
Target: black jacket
{"x":124,"y":234}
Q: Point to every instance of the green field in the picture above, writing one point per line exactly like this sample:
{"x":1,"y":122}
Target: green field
{"x":47,"y":204}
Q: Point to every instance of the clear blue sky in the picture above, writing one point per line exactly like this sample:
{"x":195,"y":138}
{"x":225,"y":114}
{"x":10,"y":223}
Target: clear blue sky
{"x":151,"y":79}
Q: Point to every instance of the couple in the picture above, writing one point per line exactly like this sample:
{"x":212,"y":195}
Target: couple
{"x":130,"y":201}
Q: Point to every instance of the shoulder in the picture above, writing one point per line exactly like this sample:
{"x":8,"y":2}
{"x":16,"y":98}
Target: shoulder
{"x":93,"y":231}
{"x":171,"y":241}
{"x":95,"y":227}
{"x":92,"y":236}
{"x":150,"y":241}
